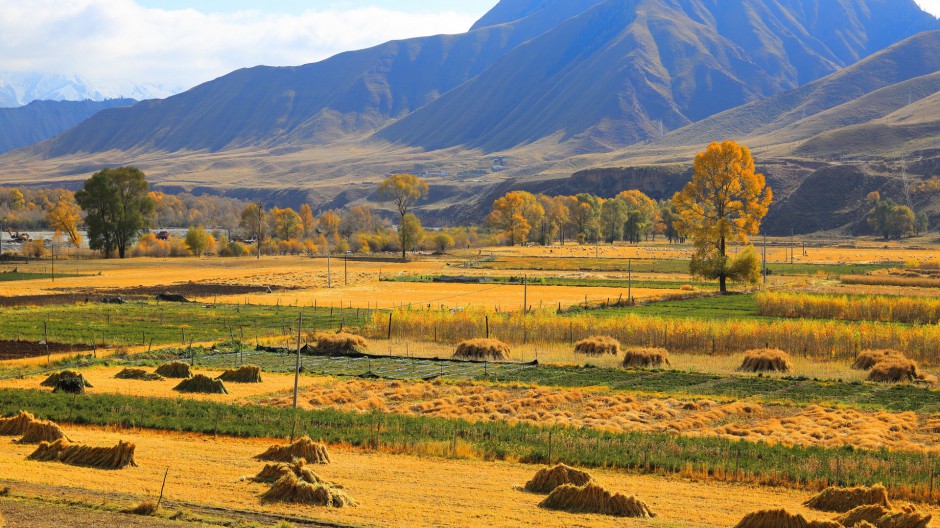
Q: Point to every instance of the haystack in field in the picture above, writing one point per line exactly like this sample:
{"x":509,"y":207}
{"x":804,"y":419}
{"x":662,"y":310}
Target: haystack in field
{"x":298,"y":467}
{"x":202,"y":384}
{"x":117,"y":457}
{"x":868,"y":358}
{"x":138,"y":374}
{"x":645,"y":357}
{"x":243,"y":374}
{"x":147,"y":507}
{"x":67,"y":381}
{"x":290,"y":488}
{"x":895,"y":370}
{"x":305,"y":448}
{"x":591,"y":498}
{"x":39,"y":431}
{"x":765,"y":360}
{"x":597,"y":346}
{"x":17,"y":424}
{"x":882,"y":517}
{"x":341,"y":344}
{"x":482,"y":349}
{"x":175,"y":369}
{"x":547,"y":479}
{"x":781,"y":518}
{"x":841,"y":500}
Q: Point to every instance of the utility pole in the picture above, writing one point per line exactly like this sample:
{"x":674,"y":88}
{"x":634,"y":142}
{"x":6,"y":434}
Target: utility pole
{"x":630,"y":282}
{"x":329,"y":277}
{"x":300,"y":327}
{"x":345,"y":274}
{"x":765,"y":258}
{"x":525,"y":295}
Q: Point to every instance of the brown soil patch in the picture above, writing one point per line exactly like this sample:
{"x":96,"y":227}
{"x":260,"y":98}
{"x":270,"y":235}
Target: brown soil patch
{"x":11,"y":349}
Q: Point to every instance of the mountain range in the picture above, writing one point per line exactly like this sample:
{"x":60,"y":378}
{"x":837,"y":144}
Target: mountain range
{"x":554,"y":87}
{"x":41,"y":120}
{"x":18,"y":89}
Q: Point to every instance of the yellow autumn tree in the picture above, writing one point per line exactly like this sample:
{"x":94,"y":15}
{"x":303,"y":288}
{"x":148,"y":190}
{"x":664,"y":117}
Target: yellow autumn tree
{"x":514,"y":214}
{"x":404,"y":190}
{"x":723,"y":204}
{"x":64,"y":218}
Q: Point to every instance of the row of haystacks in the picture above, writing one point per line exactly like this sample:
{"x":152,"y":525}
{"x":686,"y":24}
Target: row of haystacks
{"x":117,"y":457}
{"x":574,"y":491}
{"x":292,"y":479}
{"x":858,"y":507}
{"x":31,"y":430}
{"x":890,"y":366}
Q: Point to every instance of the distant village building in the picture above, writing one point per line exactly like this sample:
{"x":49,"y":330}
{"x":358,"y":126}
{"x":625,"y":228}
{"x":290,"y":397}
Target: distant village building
{"x":499,"y":163}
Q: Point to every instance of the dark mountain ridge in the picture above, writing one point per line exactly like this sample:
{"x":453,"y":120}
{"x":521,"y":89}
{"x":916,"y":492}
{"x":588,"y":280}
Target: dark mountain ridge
{"x":40,"y":120}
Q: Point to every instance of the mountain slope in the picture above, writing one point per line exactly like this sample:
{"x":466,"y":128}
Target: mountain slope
{"x":612,"y":75}
{"x":41,"y":120}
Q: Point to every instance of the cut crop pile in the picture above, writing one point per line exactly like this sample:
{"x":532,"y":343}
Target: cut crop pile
{"x":305,"y":448}
{"x":482,"y":349}
{"x":117,"y":457}
{"x":291,"y":488}
{"x":201,"y":383}
{"x":882,"y":517}
{"x":175,"y":369}
{"x":67,"y":381}
{"x":591,"y":498}
{"x":645,"y":357}
{"x":765,"y":360}
{"x":243,"y":374}
{"x":780,"y":518}
{"x":547,"y":479}
{"x":841,"y":500}
{"x":39,"y":431}
{"x":16,"y":425}
{"x":341,"y":344}
{"x":867,"y":359}
{"x":597,"y":346}
{"x":138,"y":374}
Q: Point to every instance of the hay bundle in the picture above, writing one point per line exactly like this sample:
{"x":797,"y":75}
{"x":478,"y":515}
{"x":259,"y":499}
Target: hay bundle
{"x":138,"y":374}
{"x":864,"y":524}
{"x":869,"y":358}
{"x":298,"y":467}
{"x":781,"y":518}
{"x":202,"y":384}
{"x":547,"y":479}
{"x":175,"y":369}
{"x":16,"y":425}
{"x":841,"y":500}
{"x":765,"y":360}
{"x":882,"y":517}
{"x":592,"y":498}
{"x":597,"y":346}
{"x":68,"y":381}
{"x":148,"y":507}
{"x":41,"y":431}
{"x":341,"y":344}
{"x":895,"y":370}
{"x":290,"y":488}
{"x":482,"y":349}
{"x":305,"y":448}
{"x":243,"y":374}
{"x":117,"y":457}
{"x":645,"y":357}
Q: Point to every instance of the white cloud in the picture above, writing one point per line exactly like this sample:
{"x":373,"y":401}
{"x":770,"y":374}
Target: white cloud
{"x":119,"y":39}
{"x":930,"y":6}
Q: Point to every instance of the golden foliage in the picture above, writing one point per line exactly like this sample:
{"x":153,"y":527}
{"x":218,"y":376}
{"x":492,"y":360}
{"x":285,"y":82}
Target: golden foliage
{"x":64,"y":218}
{"x":885,"y":308}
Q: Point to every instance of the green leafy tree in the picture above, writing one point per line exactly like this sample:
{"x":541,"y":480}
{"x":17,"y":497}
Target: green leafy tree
{"x":613,"y":218}
{"x":199,"y":241}
{"x":921,"y":223}
{"x":253,"y":220}
{"x":891,"y":220}
{"x":118,"y":208}
{"x":410,"y":232}
{"x":442,"y":241}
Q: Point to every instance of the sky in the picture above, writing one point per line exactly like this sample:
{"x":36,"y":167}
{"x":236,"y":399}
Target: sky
{"x":181,"y":43}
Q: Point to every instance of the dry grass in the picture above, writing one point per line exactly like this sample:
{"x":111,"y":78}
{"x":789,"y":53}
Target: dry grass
{"x":117,"y":457}
{"x":482,"y":349}
{"x":592,"y":498}
{"x":882,"y":517}
{"x":243,"y":374}
{"x":841,"y":500}
{"x":781,"y":518}
{"x":890,"y":280}
{"x":39,"y":431}
{"x":547,"y":479}
{"x":138,"y":374}
{"x":290,"y":488}
{"x":202,"y":384}
{"x":341,"y":344}
{"x":766,"y":360}
{"x":303,"y":448}
{"x":638,"y":357}
{"x":147,"y":507}
{"x":597,"y":346}
{"x":175,"y":369}
{"x":17,"y":424}
{"x":868,"y":358}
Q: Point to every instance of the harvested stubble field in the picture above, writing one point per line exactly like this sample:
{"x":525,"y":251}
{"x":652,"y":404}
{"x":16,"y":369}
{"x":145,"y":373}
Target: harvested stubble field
{"x":392,"y":490}
{"x":617,"y":412}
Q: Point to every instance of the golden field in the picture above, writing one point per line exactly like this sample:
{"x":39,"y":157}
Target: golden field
{"x":392,"y":490}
